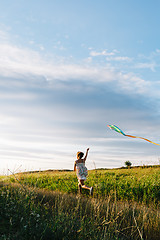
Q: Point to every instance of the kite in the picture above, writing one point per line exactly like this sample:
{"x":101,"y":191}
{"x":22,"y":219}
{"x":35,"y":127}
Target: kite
{"x":113,"y":127}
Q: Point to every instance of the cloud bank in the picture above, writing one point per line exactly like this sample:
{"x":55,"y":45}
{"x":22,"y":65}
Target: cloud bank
{"x":18,"y":62}
{"x":52,"y":106}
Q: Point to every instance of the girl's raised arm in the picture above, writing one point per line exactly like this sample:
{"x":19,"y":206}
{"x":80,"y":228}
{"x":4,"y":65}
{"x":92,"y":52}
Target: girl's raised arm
{"x":86,"y":154}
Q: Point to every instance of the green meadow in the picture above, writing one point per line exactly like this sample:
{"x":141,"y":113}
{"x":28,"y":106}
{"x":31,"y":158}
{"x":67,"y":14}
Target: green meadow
{"x":46,"y":205}
{"x":136,"y":184}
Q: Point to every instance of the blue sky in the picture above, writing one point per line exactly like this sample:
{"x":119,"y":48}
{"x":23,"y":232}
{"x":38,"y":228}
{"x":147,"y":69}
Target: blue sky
{"x":69,"y":68}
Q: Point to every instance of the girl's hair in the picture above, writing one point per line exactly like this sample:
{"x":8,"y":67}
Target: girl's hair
{"x":80,"y":155}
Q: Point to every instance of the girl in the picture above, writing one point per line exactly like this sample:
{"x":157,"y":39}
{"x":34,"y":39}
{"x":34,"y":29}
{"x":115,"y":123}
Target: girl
{"x":81,"y":171}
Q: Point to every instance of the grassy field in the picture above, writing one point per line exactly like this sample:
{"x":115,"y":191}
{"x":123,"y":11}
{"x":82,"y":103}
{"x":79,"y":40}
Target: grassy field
{"x":46,"y":205}
{"x":136,"y":184}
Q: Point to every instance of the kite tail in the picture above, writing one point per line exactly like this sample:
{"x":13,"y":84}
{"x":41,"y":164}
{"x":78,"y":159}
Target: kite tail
{"x":143,"y":139}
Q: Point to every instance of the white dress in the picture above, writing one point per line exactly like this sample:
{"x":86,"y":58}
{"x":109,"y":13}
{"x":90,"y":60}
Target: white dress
{"x":81,"y":171}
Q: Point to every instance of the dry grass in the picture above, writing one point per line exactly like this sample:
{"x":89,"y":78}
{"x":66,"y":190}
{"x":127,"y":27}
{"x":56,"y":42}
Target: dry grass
{"x":45,"y":205}
{"x":40,"y":213}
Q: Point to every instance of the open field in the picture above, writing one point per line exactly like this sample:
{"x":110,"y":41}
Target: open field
{"x":45,"y":205}
{"x":136,"y":184}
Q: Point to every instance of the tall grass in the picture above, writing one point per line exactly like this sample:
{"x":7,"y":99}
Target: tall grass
{"x":125,"y":205}
{"x":42,"y":214}
{"x":136,"y":184}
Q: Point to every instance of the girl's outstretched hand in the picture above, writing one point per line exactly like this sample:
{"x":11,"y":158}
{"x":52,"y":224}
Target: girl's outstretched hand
{"x":86,"y":154}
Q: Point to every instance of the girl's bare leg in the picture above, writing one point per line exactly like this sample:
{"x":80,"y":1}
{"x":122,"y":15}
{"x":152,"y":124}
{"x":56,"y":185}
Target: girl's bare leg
{"x":81,"y":182}
{"x":79,"y":188}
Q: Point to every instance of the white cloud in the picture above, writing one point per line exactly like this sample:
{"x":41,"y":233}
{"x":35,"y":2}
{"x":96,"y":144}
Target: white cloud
{"x":158,"y":51}
{"x":150,"y":66}
{"x":131,"y":82}
{"x":120,"y":58}
{"x":24,"y":63}
{"x":103,"y":53}
{"x":150,"y":62}
{"x":21,"y":63}
{"x":31,"y":42}
{"x":22,"y":96}
{"x":4,"y":37}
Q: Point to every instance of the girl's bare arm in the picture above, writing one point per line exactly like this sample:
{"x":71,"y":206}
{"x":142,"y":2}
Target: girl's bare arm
{"x":86,"y":154}
{"x":75,"y":166}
